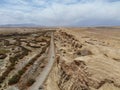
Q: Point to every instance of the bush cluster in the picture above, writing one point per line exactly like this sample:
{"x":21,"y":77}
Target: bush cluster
{"x":14,"y":79}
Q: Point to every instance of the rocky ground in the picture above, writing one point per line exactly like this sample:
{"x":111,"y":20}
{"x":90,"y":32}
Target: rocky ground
{"x":22,"y":58}
{"x":86,"y":59}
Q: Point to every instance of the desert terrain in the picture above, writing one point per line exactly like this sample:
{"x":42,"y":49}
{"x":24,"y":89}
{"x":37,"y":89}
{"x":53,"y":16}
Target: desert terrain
{"x":23,"y":56}
{"x":86,"y":59}
{"x":60,"y":58}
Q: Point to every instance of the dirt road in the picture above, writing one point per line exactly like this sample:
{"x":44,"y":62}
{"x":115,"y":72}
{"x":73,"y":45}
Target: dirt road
{"x":51,"y":57}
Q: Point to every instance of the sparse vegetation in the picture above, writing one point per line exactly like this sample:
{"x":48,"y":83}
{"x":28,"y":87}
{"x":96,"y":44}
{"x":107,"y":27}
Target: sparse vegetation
{"x":23,"y":70}
{"x":5,"y":73}
{"x":13,"y":61}
{"x":14,"y":48}
{"x":14,"y":79}
{"x":4,"y":51}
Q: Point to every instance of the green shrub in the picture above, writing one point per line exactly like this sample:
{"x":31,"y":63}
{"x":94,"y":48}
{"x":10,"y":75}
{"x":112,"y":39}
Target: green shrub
{"x":21,"y":72}
{"x":14,"y":79}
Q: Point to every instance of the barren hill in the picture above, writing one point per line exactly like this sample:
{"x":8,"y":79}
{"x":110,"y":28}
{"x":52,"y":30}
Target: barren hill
{"x":87,"y":59}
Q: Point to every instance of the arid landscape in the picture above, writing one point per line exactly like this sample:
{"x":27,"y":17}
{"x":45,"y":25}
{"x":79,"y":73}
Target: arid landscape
{"x":60,"y":58}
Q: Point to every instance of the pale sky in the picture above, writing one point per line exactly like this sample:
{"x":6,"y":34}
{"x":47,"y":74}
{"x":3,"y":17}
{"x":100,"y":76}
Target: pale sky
{"x":60,"y":12}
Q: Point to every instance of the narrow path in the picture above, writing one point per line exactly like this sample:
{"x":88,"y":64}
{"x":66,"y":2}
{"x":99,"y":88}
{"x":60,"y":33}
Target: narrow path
{"x":42,"y":77}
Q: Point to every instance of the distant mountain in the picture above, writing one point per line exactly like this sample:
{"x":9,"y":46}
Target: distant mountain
{"x":21,"y":25}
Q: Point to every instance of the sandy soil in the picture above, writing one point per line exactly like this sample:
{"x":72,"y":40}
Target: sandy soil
{"x":88,"y":59}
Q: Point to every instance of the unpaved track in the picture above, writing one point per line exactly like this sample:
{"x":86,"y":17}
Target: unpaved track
{"x":42,"y":77}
